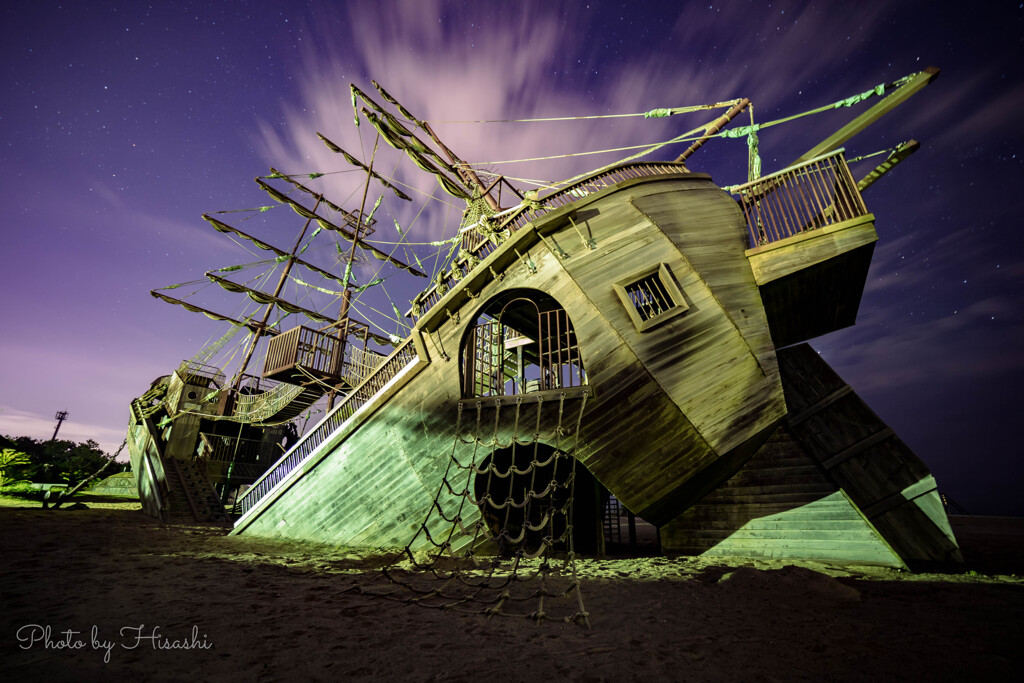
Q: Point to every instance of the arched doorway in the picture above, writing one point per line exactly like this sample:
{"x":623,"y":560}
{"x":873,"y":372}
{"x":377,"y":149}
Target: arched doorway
{"x":522,"y":341}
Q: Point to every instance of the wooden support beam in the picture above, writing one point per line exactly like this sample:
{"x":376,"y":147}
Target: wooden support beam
{"x":820,"y":405}
{"x":902,"y":151}
{"x":857,"y":448}
{"x":916,"y":490}
{"x":900,"y":95}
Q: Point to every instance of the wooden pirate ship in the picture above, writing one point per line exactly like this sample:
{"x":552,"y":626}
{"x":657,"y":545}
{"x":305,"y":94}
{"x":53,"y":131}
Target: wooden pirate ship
{"x":636,"y":337}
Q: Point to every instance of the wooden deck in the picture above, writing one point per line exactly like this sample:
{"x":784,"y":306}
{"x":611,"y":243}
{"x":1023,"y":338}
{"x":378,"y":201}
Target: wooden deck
{"x":811,"y":283}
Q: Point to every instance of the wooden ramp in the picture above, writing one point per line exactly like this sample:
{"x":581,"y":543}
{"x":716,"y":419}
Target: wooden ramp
{"x":863,"y":455}
{"x":169,"y":488}
{"x":780,"y":505}
{"x":834,"y":483}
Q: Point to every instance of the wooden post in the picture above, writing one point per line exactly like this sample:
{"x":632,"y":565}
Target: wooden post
{"x":901,"y":152}
{"x":280,"y":285}
{"x":898,"y":97}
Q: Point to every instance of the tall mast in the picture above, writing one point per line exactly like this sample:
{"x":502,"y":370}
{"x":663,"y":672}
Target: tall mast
{"x":464,"y":170}
{"x":277,"y":291}
{"x":346,"y":295}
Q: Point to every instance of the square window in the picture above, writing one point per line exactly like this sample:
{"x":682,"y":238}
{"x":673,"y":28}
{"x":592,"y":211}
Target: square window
{"x":651,"y":297}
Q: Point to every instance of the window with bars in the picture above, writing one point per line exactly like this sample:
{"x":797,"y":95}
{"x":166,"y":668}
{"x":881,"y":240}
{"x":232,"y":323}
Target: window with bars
{"x":651,"y":297}
{"x":522,"y":342}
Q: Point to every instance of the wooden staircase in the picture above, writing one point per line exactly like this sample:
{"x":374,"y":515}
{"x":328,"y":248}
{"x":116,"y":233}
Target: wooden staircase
{"x":191,"y":496}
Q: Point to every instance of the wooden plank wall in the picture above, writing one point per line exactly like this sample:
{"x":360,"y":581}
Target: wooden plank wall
{"x":780,"y":505}
{"x":638,"y":437}
{"x":859,"y":452}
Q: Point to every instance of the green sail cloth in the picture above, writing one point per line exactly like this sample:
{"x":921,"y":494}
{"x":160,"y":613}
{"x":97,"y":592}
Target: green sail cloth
{"x":854,"y":99}
{"x":376,"y":206}
{"x":417,"y":151}
{"x":355,"y":162}
{"x":391,"y":100}
{"x":347,"y":277}
{"x":449,"y":186}
{"x":209,"y":314}
{"x":657,"y":113}
{"x":316,"y":287}
{"x":373,"y":283}
{"x":268,"y":299}
{"x":754,"y":158}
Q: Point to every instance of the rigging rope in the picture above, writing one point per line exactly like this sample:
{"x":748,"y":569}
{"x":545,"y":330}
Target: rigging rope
{"x":523,"y":537}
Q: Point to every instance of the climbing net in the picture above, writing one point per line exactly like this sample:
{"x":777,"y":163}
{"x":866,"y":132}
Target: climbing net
{"x":503,"y":525}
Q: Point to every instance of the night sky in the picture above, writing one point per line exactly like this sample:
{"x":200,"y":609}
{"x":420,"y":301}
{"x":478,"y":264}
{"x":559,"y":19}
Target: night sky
{"x":121,"y":123}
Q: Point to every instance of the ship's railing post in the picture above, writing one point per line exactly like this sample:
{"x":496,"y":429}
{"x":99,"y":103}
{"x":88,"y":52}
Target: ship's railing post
{"x":807,"y":196}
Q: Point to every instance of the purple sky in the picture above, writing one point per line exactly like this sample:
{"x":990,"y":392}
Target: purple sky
{"x":120,"y":124}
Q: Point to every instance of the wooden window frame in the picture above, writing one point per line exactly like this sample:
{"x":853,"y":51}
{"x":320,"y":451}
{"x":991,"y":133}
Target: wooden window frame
{"x":664,"y":276}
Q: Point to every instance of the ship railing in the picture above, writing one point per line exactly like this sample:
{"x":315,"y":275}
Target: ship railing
{"x":262,"y":406}
{"x":362,"y":394}
{"x":194,"y":372}
{"x":807,"y":196}
{"x":315,"y":351}
{"x":480,"y":243}
{"x":227,"y":457}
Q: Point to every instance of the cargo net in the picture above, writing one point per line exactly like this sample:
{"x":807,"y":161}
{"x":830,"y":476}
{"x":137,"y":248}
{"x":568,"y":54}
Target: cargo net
{"x":506,"y":515}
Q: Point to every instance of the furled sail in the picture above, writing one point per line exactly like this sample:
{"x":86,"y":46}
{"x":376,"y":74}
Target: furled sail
{"x":220,"y":226}
{"x":326,"y":224}
{"x":355,"y":162}
{"x":264,"y":298}
{"x":252,"y":325}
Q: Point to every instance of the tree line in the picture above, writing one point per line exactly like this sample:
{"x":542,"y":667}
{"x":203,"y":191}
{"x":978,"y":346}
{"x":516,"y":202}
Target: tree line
{"x":23,"y":458}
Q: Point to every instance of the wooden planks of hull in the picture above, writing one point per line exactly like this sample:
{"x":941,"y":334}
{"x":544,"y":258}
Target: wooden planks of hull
{"x":675,"y":410}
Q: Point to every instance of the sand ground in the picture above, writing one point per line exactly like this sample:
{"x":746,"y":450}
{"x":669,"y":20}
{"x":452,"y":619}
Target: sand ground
{"x":254,"y":610}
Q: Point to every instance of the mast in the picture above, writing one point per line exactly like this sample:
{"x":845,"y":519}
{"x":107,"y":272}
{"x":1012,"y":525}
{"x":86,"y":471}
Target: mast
{"x":715,"y":126}
{"x":346,"y":295}
{"x":464,"y":170}
{"x":277,"y":291}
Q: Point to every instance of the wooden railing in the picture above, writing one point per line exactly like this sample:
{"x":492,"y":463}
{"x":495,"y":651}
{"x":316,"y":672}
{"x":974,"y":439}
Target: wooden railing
{"x":480,"y":245}
{"x":220,"y":456}
{"x":810,"y":195}
{"x":360,"y":396}
{"x":301,"y":346}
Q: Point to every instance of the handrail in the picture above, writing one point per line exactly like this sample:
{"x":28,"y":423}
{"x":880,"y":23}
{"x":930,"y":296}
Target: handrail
{"x":405,"y":354}
{"x":480,"y":244}
{"x":264,"y":405}
{"x":809,"y":195}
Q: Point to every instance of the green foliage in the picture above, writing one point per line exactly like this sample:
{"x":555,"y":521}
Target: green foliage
{"x":58,"y":461}
{"x":21,"y":489}
{"x":11,"y":461}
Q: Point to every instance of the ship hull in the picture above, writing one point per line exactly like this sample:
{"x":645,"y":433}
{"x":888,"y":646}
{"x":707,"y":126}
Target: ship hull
{"x":670,"y":410}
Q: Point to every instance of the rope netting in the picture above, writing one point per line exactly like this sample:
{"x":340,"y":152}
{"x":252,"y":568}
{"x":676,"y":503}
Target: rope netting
{"x":498,"y":538}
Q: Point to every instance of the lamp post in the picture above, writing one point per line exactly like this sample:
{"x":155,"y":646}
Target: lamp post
{"x":60,"y":417}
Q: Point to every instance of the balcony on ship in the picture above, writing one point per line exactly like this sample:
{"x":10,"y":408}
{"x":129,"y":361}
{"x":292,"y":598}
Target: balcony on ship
{"x":303,"y":355}
{"x":811,"y":242}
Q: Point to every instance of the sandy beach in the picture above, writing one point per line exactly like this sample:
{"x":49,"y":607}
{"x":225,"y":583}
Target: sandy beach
{"x":107,"y":593}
